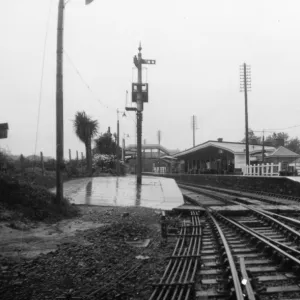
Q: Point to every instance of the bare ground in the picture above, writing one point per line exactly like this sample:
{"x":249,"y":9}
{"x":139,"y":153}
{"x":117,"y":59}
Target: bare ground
{"x":87,"y":256}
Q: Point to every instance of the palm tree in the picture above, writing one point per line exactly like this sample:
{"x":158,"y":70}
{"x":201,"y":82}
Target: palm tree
{"x":86,"y":129}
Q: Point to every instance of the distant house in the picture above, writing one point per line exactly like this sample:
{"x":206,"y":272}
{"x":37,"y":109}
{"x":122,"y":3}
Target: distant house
{"x":281,"y":155}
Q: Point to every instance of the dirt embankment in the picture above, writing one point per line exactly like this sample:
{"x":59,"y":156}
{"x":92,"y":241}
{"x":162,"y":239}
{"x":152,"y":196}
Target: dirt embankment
{"x":50,"y":250}
{"x":100,"y":262}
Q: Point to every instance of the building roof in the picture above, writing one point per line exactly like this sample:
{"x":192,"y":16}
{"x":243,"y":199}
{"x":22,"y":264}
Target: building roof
{"x":132,"y":147}
{"x":283,"y":152}
{"x":235,"y":148}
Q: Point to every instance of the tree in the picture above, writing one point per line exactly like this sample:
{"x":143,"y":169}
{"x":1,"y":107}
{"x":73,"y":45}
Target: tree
{"x":251,"y":137}
{"x":275,"y":136}
{"x":294,"y":145}
{"x":105,"y":144}
{"x":85,"y":129}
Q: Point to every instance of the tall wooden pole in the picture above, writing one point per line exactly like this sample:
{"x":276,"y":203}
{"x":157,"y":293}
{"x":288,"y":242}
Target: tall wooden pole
{"x":59,"y":103}
{"x":159,"y":138}
{"x":194,"y":126}
{"x":246,"y":115}
{"x":263,"y":148}
{"x":139,"y":119}
{"x":118,"y":143}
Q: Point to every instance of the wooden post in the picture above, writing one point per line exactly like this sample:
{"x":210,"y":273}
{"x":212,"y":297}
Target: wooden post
{"x":59,"y":103}
{"x":123,"y":150}
{"x":272,"y":169}
{"x":42,"y":164}
{"x":77,"y":156}
{"x":279,"y":168}
{"x":70,"y":157}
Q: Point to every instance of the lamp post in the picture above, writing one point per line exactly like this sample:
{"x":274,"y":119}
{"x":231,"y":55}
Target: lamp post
{"x":118,"y":139}
{"x":59,"y":101}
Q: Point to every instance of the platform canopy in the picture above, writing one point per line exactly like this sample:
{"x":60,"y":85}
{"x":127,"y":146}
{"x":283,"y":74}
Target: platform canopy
{"x":232,"y":147}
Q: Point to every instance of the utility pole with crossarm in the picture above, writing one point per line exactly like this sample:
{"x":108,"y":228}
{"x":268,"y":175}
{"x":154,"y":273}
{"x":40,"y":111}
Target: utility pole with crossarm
{"x":60,"y":100}
{"x":139,"y":95}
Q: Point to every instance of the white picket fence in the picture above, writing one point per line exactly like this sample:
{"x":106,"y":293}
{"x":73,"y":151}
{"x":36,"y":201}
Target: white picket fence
{"x":263,"y":170}
{"x":160,"y":170}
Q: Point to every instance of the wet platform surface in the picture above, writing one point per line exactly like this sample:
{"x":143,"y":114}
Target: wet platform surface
{"x":155,"y":192}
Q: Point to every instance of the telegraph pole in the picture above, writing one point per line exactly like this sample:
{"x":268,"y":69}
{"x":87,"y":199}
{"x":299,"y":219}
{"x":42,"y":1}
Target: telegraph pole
{"x":159,"y":139}
{"x":263,"y":148}
{"x":245,"y":86}
{"x":139,"y":95}
{"x":59,"y":103}
{"x":118,"y":142}
{"x":194,"y":127}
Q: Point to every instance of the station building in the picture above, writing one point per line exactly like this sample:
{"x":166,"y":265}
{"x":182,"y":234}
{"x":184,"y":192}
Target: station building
{"x":211,"y":157}
{"x":220,"y":157}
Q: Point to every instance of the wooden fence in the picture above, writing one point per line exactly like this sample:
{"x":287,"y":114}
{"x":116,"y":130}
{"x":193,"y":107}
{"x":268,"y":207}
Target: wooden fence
{"x":263,"y":170}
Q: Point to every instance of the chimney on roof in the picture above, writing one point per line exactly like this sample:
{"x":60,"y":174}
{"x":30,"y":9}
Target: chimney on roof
{"x":279,"y":142}
{"x":220,"y":140}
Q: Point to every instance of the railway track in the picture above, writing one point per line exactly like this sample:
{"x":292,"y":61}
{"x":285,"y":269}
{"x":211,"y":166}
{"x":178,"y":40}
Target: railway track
{"x":178,"y":279}
{"x":245,"y":195}
{"x":251,"y":256}
{"x":270,"y":257}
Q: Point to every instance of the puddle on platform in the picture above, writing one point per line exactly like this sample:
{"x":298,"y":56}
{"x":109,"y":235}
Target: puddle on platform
{"x":155,"y":192}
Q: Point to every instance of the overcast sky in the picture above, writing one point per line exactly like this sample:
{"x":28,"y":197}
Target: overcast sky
{"x":198,"y":46}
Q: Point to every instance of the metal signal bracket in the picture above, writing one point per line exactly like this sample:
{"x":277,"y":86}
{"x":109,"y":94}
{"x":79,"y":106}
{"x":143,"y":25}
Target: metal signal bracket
{"x":139,"y":87}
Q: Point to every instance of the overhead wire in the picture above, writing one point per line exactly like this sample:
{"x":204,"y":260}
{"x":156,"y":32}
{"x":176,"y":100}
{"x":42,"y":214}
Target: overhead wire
{"x":276,"y":129}
{"x":42,"y":77}
{"x":88,"y":86}
{"x":85,"y":83}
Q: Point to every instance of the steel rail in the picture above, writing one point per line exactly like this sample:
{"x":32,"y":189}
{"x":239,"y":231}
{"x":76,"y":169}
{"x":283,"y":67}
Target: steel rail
{"x":180,"y":264}
{"x":175,"y":263}
{"x":249,"y":290}
{"x":237,"y":193}
{"x":184,"y":266}
{"x":233,"y":270}
{"x":272,"y":241}
{"x":266,"y":242}
{"x":183,"y":229}
{"x":288,"y":219}
{"x":186,"y":270}
{"x":270,"y":218}
{"x":195,"y":264}
{"x":185,"y":256}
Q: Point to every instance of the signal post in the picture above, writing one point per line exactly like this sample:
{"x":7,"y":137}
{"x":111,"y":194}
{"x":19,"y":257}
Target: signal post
{"x":139,"y":95}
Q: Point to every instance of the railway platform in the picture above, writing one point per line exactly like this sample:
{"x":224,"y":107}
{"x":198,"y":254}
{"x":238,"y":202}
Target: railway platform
{"x":155,"y":192}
